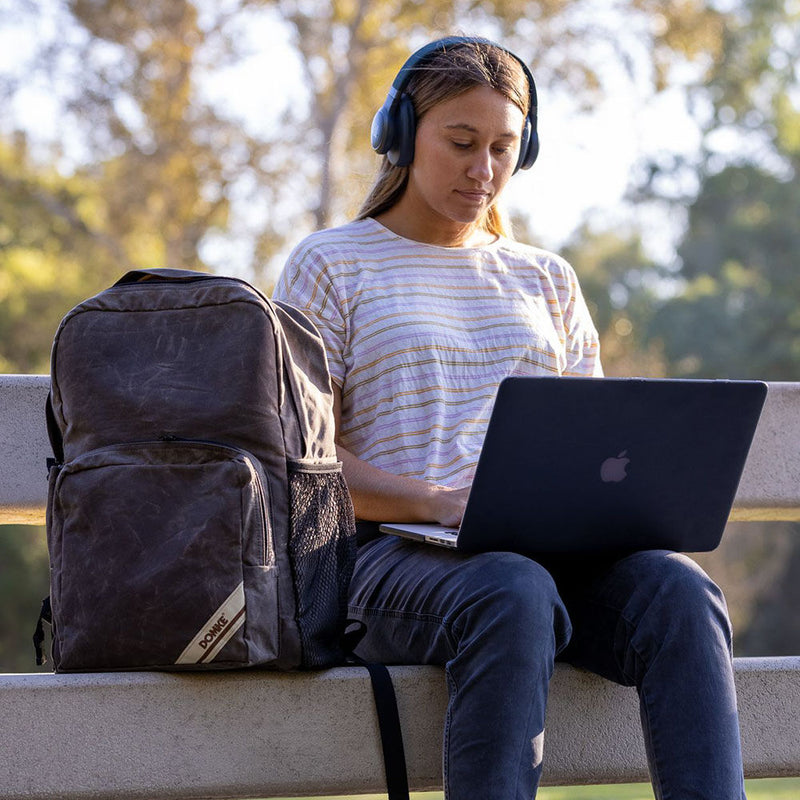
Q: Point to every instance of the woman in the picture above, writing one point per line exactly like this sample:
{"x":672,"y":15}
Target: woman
{"x":425,"y":304}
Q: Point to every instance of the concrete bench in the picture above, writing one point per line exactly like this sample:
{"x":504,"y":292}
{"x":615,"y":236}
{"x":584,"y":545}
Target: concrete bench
{"x":263,"y":734}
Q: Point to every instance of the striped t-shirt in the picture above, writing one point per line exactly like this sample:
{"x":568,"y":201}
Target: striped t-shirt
{"x":419,"y":337}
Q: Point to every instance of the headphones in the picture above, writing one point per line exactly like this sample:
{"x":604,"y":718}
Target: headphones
{"x":394,"y":126}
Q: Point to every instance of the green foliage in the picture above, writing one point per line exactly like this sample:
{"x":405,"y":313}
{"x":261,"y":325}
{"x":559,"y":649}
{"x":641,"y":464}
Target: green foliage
{"x":620,"y":283}
{"x":737,"y":315}
{"x":24,"y":579}
{"x":753,"y":77}
{"x":52,"y":254}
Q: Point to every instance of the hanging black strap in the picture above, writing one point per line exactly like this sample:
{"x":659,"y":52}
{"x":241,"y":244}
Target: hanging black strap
{"x":394,"y":757}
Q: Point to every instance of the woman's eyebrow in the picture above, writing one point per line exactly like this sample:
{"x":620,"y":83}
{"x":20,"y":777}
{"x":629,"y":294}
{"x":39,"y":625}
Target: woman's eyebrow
{"x":471,"y":129}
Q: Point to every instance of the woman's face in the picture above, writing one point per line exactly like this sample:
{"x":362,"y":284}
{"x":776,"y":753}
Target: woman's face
{"x":465,"y":151}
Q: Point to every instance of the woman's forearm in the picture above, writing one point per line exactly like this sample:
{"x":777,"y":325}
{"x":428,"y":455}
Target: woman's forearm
{"x":380,"y":496}
{"x":383,"y":497}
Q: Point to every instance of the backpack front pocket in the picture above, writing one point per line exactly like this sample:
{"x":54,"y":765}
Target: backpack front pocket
{"x":169,"y":556}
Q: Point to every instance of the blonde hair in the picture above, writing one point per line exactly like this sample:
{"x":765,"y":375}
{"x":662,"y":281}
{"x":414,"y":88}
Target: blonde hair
{"x":446,"y":74}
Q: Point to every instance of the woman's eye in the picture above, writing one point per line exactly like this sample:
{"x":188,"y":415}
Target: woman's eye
{"x":462,"y":145}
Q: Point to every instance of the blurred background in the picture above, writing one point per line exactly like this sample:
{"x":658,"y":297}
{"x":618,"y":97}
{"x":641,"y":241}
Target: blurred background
{"x":214,"y":134}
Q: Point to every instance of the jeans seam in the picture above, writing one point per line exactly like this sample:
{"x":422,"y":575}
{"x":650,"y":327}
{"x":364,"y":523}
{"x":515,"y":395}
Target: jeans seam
{"x":655,"y":768}
{"x":453,"y":689}
{"x":368,"y":611}
{"x":651,"y":732}
{"x":651,"y":729}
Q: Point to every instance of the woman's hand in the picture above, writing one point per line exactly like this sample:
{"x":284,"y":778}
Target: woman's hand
{"x":449,"y":505}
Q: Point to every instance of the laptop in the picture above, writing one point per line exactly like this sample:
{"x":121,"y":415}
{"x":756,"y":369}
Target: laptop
{"x":605,"y":465}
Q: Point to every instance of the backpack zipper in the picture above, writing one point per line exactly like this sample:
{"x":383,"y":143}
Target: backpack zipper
{"x":262,"y":488}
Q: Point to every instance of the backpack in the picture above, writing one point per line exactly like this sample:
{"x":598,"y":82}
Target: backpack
{"x":197,"y":515}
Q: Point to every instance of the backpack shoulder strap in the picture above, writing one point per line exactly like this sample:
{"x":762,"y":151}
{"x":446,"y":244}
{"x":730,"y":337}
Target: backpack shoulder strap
{"x":305,"y":370}
{"x":53,"y":431}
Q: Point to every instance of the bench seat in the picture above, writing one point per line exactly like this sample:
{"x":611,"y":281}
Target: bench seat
{"x":265,"y":734}
{"x":148,"y":735}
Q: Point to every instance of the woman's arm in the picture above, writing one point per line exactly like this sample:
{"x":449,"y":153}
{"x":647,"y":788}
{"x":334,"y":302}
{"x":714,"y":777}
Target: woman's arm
{"x":380,"y":496}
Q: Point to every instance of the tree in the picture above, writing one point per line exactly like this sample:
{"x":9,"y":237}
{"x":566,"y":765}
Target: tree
{"x":24,"y":577}
{"x":53,"y":252}
{"x":164,"y":160}
{"x":734,"y":285}
{"x":752,"y":85}
{"x":743,"y":97}
{"x":145,"y":170}
{"x":737,"y":315}
{"x":620,"y":283}
{"x":130,"y":77}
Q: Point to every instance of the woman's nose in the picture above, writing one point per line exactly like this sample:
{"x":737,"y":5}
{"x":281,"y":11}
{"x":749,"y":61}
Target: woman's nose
{"x":480,"y":167}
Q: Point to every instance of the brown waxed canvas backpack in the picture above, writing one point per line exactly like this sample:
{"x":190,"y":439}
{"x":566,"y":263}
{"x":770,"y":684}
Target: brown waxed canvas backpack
{"x":197,"y":514}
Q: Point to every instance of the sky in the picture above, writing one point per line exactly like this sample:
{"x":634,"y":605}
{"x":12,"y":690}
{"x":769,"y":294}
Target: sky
{"x":585,"y":159}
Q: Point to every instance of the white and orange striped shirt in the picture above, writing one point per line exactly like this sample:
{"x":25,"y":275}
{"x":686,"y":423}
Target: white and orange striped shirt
{"x":419,"y":337}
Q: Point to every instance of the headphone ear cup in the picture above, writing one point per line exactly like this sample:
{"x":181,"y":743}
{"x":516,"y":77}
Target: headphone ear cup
{"x":528,"y":147}
{"x":401,"y":153}
{"x":379,"y":133}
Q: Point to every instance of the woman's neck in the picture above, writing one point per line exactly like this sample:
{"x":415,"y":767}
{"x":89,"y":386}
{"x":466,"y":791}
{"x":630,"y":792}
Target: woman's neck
{"x":431,"y":231}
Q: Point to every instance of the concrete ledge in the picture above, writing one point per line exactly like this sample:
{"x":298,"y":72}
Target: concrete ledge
{"x":246,"y":734}
{"x":768,"y":490}
{"x":136,"y":736}
{"x":24,"y":449}
{"x":770,"y":485}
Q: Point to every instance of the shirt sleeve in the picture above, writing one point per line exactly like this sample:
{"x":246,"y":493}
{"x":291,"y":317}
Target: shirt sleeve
{"x":582,"y":339}
{"x":307,"y":284}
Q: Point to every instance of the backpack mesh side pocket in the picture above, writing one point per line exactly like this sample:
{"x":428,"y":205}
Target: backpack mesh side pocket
{"x":322,"y":550}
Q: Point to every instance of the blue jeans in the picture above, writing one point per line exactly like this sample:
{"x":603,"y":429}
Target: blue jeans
{"x":498,"y":621}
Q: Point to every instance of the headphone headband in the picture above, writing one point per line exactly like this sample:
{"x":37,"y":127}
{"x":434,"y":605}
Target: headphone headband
{"x":394,"y":125}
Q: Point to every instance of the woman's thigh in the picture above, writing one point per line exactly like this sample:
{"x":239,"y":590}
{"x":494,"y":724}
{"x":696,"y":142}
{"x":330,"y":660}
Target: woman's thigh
{"x":626,"y":612}
{"x":423,"y":604}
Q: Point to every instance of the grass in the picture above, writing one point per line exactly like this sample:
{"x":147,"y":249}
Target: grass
{"x":765,"y":789}
{"x":761,"y":789}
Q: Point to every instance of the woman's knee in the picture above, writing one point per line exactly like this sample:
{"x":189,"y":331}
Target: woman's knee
{"x":677,"y":579}
{"x":514,"y":599}
{"x":678,"y":593}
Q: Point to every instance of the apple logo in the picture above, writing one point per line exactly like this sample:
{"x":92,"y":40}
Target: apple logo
{"x":613,"y":470}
